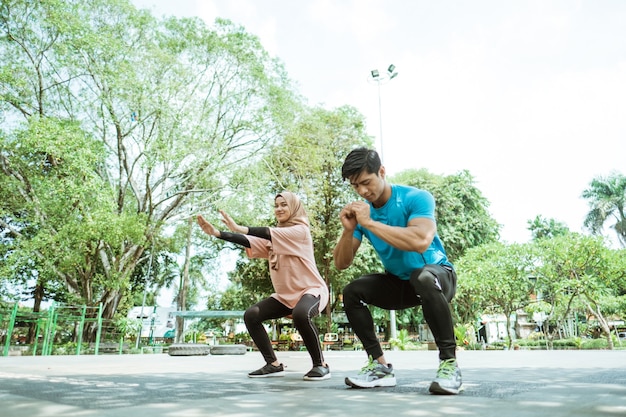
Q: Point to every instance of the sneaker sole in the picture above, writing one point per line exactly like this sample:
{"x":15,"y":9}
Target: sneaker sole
{"x":437,"y":389}
{"x":384,"y":382}
{"x":272,"y":375}
{"x":316,"y":378}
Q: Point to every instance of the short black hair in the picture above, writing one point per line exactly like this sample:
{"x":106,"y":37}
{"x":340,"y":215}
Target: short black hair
{"x":359,"y":160}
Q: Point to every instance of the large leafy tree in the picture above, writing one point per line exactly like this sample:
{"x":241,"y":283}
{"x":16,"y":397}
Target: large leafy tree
{"x":577,"y":270}
{"x":55,"y":209}
{"x":463,"y":218}
{"x":174,"y":104}
{"x":607,"y":201}
{"x":494,"y":278}
{"x":308,"y":162}
{"x":617,"y":273}
{"x":569,"y":273}
{"x":321,"y":139}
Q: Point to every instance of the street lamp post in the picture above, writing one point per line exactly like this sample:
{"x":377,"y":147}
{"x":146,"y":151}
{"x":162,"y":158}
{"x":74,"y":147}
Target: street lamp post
{"x":381,"y":78}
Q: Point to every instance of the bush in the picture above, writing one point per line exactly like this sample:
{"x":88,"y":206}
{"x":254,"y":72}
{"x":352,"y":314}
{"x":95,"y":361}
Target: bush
{"x":475,"y":346}
{"x":530,"y":342}
{"x":497,"y":345}
{"x":69,"y":348}
{"x":594,"y":344}
{"x":243,"y":337}
{"x":563,"y":343}
{"x":403,"y":341}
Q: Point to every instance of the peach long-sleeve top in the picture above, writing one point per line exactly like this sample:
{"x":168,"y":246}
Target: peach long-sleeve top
{"x":292,"y":264}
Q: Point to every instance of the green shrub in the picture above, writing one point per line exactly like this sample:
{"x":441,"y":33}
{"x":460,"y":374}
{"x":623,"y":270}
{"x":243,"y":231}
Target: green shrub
{"x":474,"y":346}
{"x":403,"y":341}
{"x":498,"y":345}
{"x":561,"y":343}
{"x":594,"y":344}
{"x":527,"y":342}
{"x":460,"y":334}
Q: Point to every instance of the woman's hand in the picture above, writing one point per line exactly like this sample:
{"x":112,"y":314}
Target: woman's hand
{"x":207,"y":227}
{"x":230,"y":223}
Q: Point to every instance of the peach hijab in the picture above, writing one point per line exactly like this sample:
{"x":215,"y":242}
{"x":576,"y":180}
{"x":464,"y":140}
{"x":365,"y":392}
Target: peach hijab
{"x":298,"y":213}
{"x":297,"y":216}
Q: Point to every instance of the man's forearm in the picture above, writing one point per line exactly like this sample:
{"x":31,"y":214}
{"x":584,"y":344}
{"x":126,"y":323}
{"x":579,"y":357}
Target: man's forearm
{"x":411,"y":238}
{"x":343,"y":254}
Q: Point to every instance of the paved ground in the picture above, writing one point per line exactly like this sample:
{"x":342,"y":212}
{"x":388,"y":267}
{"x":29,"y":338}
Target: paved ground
{"x":497,"y":383}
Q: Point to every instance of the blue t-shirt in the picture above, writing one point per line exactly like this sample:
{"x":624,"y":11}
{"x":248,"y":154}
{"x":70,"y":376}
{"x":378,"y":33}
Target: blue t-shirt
{"x":405,"y":203}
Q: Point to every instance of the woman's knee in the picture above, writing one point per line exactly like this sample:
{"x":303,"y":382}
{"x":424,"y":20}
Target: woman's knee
{"x":302,"y":315}
{"x":251,"y":315}
{"x":300,"y":318}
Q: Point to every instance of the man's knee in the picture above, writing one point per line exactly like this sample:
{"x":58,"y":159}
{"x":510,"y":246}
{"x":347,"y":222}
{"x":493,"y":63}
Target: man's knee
{"x":350,"y":295}
{"x":433,"y":279}
{"x":425,"y":281}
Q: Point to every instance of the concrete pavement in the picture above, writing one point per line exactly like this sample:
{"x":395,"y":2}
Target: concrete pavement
{"x":497,"y":383}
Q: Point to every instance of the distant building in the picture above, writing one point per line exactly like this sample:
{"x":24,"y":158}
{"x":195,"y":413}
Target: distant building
{"x":493,"y":328}
{"x":156,"y":321}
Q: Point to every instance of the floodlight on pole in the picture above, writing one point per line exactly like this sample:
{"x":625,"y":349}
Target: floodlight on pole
{"x":378,"y":78}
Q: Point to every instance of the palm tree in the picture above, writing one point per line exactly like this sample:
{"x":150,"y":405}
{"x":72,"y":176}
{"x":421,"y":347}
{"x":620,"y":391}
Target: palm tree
{"x":607,"y":199}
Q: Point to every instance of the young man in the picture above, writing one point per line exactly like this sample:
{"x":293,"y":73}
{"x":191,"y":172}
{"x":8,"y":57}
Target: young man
{"x":399,"y":221}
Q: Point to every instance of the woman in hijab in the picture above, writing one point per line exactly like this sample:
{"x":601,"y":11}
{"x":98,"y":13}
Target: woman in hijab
{"x":299,"y":289}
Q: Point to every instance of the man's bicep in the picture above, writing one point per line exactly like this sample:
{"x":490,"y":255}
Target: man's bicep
{"x":424,"y":225}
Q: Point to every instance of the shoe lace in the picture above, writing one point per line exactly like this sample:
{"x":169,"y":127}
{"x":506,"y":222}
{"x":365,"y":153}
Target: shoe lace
{"x":370,"y":366}
{"x":447,"y":368}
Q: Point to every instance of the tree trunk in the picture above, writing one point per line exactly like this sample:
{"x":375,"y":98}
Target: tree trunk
{"x":38,"y":295}
{"x":181,"y":300}
{"x":604,"y":325}
{"x":331,"y":302}
{"x":508,"y":329}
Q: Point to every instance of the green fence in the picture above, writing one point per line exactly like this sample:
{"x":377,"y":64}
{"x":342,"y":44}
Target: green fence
{"x":60,"y":324}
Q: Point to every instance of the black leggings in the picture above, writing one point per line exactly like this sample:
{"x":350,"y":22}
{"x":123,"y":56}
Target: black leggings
{"x":271,"y":308}
{"x":432,"y":287}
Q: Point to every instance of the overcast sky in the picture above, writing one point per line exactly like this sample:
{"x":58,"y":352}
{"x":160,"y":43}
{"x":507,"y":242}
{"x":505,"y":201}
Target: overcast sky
{"x":528,"y":96}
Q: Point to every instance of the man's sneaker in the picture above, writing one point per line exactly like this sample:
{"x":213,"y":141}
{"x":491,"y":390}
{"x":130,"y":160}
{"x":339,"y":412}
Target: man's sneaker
{"x":317,"y":373}
{"x":373,"y":375}
{"x":448,"y":380}
{"x":267,"y":371}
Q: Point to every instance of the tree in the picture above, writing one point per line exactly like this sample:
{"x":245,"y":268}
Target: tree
{"x":607,"y":200}
{"x":308,"y":162}
{"x":57,"y":210}
{"x":494,"y":278}
{"x":617,"y":273}
{"x":541,"y":228}
{"x":175,"y":105}
{"x":576,"y":268}
{"x":463,"y":219}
